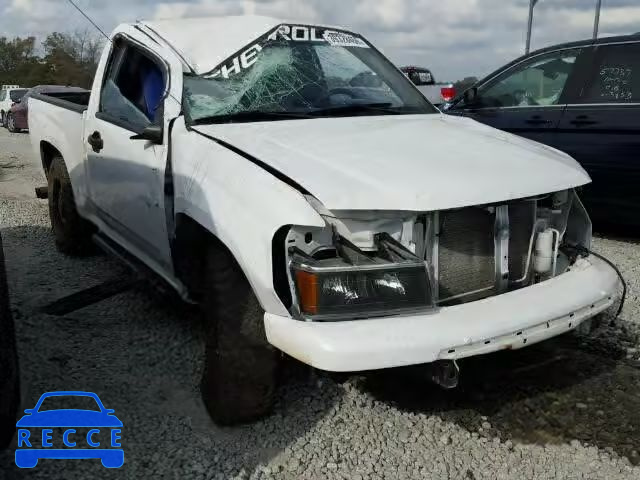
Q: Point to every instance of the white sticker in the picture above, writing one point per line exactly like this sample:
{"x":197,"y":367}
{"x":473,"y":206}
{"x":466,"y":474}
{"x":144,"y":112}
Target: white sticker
{"x":425,"y":77}
{"x":340,"y":39}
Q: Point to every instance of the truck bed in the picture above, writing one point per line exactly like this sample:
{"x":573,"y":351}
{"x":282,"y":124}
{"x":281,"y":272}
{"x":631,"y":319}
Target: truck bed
{"x":73,"y":100}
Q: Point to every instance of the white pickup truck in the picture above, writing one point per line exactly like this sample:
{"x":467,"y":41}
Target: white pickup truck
{"x":439,"y":94}
{"x":297,"y":185}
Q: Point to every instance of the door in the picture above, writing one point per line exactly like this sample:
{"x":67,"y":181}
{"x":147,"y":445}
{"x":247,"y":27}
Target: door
{"x":602,"y":131}
{"x":126,"y":176}
{"x":527,"y":99}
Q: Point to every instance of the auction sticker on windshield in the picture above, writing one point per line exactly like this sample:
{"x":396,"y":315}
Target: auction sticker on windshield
{"x":69,"y":425}
{"x":341,"y":39}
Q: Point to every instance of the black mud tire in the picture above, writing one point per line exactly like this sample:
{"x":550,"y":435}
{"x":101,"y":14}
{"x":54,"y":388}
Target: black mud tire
{"x":239,"y":379}
{"x":11,"y":124}
{"x":9,"y":376}
{"x":72,"y":233}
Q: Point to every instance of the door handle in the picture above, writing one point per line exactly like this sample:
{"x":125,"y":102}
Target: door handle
{"x":582,"y":120}
{"x":96,"y":142}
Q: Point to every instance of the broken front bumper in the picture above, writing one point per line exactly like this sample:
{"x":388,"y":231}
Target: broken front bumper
{"x":509,"y":321}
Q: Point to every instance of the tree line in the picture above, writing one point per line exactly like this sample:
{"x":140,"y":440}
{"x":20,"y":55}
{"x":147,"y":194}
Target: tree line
{"x":60,"y":59}
{"x":68,"y":59}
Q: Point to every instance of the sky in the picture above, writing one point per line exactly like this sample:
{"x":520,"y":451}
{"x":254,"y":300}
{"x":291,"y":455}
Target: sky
{"x":454,"y":38}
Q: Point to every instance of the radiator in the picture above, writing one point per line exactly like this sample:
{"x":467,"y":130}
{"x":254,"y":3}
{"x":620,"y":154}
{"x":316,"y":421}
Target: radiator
{"x":466,"y":261}
{"x":466,"y":251}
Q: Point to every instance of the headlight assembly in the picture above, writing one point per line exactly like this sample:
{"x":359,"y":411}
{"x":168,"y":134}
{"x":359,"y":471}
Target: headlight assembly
{"x":354,"y":285}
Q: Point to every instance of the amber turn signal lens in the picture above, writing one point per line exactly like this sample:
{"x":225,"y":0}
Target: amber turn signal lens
{"x":308,"y":291}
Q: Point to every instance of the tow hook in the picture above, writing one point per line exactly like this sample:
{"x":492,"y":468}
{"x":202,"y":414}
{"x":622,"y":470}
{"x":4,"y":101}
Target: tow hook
{"x":445,"y":373}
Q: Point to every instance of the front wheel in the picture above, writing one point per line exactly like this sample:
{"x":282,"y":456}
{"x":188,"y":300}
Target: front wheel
{"x":239,"y":378}
{"x":72,"y":232}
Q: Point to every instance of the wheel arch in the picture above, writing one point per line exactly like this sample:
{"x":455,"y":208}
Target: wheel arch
{"x":47,"y":153}
{"x":189,"y":246}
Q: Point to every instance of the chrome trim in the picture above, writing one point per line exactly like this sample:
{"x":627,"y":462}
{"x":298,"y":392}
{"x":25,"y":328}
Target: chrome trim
{"x":305,"y":267}
{"x":531,"y":57}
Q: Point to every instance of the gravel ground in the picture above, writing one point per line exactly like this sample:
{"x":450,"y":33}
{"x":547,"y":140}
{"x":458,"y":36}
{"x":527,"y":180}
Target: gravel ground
{"x":568,"y":408}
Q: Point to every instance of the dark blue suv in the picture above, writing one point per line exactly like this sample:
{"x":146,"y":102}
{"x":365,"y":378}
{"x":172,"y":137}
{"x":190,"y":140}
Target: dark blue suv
{"x":582,"y":98}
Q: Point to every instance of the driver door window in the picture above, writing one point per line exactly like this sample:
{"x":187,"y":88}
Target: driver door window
{"x":538,"y":82}
{"x":133,"y":89}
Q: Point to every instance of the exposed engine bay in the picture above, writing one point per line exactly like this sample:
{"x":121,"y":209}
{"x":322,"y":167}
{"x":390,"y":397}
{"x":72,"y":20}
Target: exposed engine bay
{"x":383,"y":263}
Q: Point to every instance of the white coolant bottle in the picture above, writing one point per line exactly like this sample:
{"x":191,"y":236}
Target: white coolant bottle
{"x":543,"y":260}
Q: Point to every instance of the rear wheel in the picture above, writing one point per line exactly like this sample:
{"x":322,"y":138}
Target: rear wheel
{"x":11,"y":123}
{"x":239,"y":378}
{"x":72,"y":233}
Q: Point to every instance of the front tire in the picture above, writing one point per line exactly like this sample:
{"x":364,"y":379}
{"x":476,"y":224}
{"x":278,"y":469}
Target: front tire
{"x":72,"y":233}
{"x":239,"y":379}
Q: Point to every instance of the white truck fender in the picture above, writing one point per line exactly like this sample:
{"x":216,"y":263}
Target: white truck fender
{"x":239,"y":202}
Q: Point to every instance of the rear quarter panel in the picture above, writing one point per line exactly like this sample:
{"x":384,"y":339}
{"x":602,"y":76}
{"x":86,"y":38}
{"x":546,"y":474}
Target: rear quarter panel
{"x":62,"y":129}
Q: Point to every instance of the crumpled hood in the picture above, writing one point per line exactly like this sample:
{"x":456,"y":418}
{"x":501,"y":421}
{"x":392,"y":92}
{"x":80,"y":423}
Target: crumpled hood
{"x":406,"y":162}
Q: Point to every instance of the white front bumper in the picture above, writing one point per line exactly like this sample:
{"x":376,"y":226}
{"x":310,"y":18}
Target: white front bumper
{"x":509,"y":321}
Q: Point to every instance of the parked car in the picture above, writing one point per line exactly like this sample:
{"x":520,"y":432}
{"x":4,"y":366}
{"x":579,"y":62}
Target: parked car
{"x":9,"y":96}
{"x":437,"y":93}
{"x":9,"y":378}
{"x":582,"y":98}
{"x":343,"y":221}
{"x":18,"y":116}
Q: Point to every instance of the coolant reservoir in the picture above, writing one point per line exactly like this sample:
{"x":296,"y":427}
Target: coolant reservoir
{"x":543,"y":259}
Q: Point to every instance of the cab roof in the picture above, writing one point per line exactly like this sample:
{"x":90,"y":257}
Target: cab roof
{"x":206,"y":42}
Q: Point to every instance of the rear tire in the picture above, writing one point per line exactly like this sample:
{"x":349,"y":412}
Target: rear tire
{"x":239,"y":378}
{"x":11,"y":123}
{"x":72,"y":233}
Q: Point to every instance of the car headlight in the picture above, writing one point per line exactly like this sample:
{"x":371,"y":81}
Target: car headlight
{"x":380,"y":285}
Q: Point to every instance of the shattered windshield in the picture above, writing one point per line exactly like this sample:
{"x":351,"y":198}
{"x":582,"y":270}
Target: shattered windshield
{"x":301,"y":72}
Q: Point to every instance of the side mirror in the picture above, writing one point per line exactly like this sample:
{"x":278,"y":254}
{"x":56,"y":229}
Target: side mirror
{"x":109,"y":411}
{"x":29,"y":411}
{"x":470,"y":96}
{"x":152,"y":133}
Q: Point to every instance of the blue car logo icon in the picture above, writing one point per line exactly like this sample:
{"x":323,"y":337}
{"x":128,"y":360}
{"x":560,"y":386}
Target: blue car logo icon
{"x":53,"y":430}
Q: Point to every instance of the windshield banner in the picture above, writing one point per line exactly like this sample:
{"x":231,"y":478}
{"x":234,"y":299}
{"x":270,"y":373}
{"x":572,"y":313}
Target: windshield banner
{"x":285,"y":33}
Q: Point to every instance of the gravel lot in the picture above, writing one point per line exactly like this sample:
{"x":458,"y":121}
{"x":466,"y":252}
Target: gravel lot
{"x":569,"y":408}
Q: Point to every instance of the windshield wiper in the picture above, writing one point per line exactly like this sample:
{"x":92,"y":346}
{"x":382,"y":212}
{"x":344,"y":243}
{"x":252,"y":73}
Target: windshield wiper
{"x":356,"y":108}
{"x":245,"y":117}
